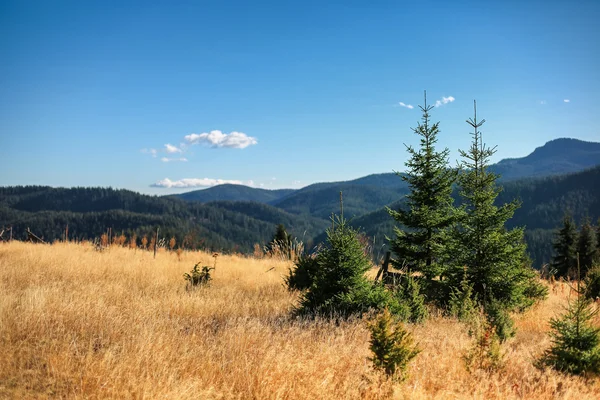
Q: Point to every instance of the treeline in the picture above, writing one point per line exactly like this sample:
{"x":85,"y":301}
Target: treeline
{"x":89,"y":212}
{"x":576,"y":251}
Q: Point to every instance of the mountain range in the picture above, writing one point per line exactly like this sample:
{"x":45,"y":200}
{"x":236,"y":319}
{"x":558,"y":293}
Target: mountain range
{"x":562,"y":175}
{"x":369,"y":193}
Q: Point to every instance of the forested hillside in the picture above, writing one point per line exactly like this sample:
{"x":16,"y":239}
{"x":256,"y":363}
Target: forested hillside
{"x":231,"y":192}
{"x":321,"y":201}
{"x":544,"y":202}
{"x":228,"y":225}
{"x":91,"y":211}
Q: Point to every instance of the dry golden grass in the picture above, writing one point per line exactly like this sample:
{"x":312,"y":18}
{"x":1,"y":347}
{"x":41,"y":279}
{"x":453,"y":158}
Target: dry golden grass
{"x":78,"y":323}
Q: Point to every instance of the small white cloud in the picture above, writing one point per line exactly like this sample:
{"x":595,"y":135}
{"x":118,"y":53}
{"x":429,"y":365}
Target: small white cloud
{"x":153,"y":152}
{"x":444,"y":100}
{"x":567,"y":100}
{"x":167,"y":159}
{"x":169,"y":148}
{"x":192,"y":183}
{"x":542,"y":102}
{"x":233,"y":140}
{"x":409,"y":106}
{"x":250,"y":183}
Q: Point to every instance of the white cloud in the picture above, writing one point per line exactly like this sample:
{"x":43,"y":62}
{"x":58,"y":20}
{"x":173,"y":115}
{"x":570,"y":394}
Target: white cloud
{"x":409,"y":106}
{"x":153,"y":152}
{"x":233,"y":140}
{"x":567,"y":100}
{"x":444,"y":100}
{"x":192,"y":183}
{"x":250,"y":183}
{"x":166,"y":159}
{"x":542,"y":102}
{"x":169,"y":148}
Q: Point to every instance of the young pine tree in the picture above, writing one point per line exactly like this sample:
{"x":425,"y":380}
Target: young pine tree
{"x":575,"y":341}
{"x":490,"y":258}
{"x":586,"y":247}
{"x":485,"y":353}
{"x":420,"y":239}
{"x":339,"y":286}
{"x":462,"y":303}
{"x":392,"y":345}
{"x":281,"y":242}
{"x":408,"y":293}
{"x":565,"y":248}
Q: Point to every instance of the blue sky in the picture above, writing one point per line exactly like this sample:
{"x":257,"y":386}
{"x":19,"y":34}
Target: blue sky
{"x":280,"y":94}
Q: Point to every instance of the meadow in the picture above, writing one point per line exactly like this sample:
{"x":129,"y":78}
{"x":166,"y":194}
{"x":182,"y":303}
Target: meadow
{"x":80,"y":323}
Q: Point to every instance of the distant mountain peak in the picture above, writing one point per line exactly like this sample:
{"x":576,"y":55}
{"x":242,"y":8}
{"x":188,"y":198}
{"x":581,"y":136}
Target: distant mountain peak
{"x":558,"y":156}
{"x":233,"y":192}
{"x":562,"y":145}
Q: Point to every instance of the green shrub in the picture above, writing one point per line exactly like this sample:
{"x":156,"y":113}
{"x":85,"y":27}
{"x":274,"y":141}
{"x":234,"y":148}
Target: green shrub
{"x":485,"y":353}
{"x":463,"y":304}
{"x":592,"y":283}
{"x":408,"y":292}
{"x":371,"y":296}
{"x":392,"y":345}
{"x":499,"y":318}
{"x":301,"y":275}
{"x":534,"y":292}
{"x":198,"y":277}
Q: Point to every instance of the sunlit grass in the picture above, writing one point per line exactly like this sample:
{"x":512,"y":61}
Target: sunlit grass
{"x":81,"y":323}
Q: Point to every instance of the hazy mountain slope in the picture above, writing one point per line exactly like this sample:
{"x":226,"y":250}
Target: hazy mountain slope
{"x":91,"y":211}
{"x":321,"y":202}
{"x":545,"y":200}
{"x":559,"y":156}
{"x":235,"y":193}
{"x":300,"y":225}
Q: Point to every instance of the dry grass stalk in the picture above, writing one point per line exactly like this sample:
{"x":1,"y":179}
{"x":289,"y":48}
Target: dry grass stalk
{"x":133,"y":242}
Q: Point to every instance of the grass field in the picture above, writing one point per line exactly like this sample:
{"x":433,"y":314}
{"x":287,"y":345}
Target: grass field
{"x":78,"y":323}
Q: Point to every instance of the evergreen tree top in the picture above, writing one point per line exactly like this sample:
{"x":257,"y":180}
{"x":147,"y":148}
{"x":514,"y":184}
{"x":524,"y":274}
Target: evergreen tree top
{"x":419,"y":239}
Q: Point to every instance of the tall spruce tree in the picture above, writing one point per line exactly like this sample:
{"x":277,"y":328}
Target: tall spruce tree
{"x":420,"y":240}
{"x":565,"y":248}
{"x":491,"y":258}
{"x":586,"y":247}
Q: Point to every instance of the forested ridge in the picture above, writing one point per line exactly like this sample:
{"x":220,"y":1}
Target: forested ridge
{"x":238,"y":225}
{"x":89,"y":212}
